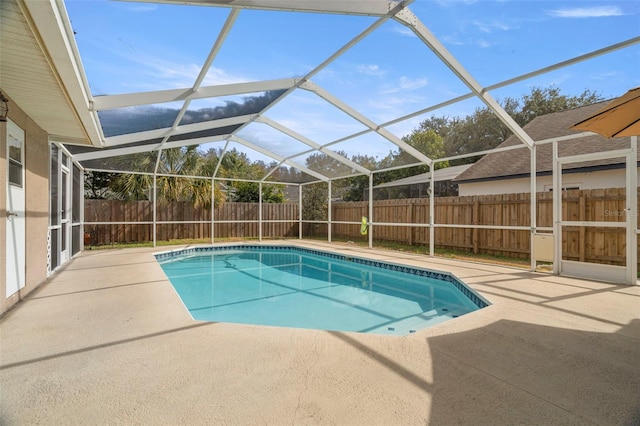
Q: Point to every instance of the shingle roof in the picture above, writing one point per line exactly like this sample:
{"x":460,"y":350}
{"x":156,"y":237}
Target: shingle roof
{"x":448,"y":173}
{"x":516,"y":163}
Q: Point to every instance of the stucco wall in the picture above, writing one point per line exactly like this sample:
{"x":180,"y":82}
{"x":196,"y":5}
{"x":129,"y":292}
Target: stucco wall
{"x":594,"y":180}
{"x":36,"y":204}
{"x":3,"y":212}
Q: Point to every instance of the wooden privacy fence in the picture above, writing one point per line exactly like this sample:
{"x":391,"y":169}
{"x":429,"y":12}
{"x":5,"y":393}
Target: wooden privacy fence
{"x":592,"y":244}
{"x":186,"y":221}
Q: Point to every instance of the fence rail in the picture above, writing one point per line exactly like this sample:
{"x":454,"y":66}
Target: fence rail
{"x":490,"y":213}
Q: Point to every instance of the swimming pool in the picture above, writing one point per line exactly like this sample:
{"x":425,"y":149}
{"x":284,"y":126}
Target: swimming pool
{"x":289,"y":286}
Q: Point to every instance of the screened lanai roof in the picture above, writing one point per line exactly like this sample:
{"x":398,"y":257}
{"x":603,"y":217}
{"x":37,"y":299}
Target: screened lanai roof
{"x":321,"y":86}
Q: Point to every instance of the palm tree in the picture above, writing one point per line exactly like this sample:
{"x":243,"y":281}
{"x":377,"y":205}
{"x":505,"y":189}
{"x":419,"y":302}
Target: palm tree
{"x":185,"y":161}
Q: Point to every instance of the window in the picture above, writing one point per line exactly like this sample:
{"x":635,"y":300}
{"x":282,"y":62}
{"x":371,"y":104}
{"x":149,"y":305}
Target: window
{"x":15,"y":161}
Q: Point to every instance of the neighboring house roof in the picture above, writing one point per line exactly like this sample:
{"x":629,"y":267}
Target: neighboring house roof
{"x":447,"y":173}
{"x":516,"y":163}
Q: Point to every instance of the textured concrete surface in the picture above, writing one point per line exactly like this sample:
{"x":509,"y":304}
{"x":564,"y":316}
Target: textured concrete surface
{"x":107,"y":341}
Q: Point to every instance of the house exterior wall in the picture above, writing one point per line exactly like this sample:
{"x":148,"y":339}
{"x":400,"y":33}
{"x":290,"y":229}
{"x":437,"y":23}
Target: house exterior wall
{"x":36,"y":204}
{"x":591,"y":180}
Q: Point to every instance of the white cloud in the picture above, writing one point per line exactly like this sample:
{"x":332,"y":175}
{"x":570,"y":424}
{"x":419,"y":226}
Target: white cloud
{"x":404,"y":84}
{"x":371,"y":69}
{"x":610,"y":75}
{"x":407,"y":83}
{"x":217,"y":76}
{"x":483,"y":44}
{"x":452,"y":40}
{"x":403,"y":31}
{"x":490,"y":27}
{"x":163,"y":74}
{"x":449,"y":3}
{"x":143,"y":8}
{"x":319,"y":128}
{"x":590,"y":12}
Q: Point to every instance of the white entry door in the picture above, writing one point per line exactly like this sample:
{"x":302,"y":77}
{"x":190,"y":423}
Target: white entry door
{"x":15,"y":210}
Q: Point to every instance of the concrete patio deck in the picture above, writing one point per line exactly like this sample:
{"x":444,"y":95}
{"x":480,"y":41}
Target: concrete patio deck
{"x":107,"y":341}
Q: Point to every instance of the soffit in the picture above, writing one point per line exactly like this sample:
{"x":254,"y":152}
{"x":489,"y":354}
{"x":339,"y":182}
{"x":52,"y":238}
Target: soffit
{"x":28,"y":79}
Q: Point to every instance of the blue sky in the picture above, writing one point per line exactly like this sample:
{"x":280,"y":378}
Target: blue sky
{"x":133,"y":47}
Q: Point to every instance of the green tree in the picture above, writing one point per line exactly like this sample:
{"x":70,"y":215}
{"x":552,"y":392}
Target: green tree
{"x":315,"y":201}
{"x":477,"y":132}
{"x":97,"y":185}
{"x":185,"y":161}
{"x":543,"y":101}
{"x":236,"y":164}
{"x":483,"y":130}
{"x":248,"y":192}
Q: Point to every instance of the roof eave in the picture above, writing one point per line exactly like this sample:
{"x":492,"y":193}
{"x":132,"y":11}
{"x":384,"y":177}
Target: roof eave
{"x":54,"y":32}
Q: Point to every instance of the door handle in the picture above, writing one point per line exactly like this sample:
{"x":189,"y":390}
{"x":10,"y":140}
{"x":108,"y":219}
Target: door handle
{"x":9,"y":214}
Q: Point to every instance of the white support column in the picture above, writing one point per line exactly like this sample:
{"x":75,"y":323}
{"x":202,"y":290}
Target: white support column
{"x":533,"y":200}
{"x":213,"y":209}
{"x":432,"y":209}
{"x":155,"y":209}
{"x":632,"y":212}
{"x":370,"y":220}
{"x":557,"y":211}
{"x":260,"y":211}
{"x":299,"y":212}
{"x":81,"y":170}
{"x":329,"y":213}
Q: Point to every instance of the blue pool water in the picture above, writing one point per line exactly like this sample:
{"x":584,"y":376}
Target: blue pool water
{"x":294,"y":287}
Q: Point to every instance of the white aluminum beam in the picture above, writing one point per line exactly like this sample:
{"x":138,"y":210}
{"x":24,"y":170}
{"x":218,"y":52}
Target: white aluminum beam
{"x":632,"y":212}
{"x":479,"y":153}
{"x":533,"y":202}
{"x":312,"y":144}
{"x":107,"y":153}
{"x":396,"y":8}
{"x":557,"y":210}
{"x":565,"y":138}
{"x":351,"y":7}
{"x":566,"y":63}
{"x":163,"y":96}
{"x":432,"y":210}
{"x":222,"y":154}
{"x":187,"y":128}
{"x":594,"y":156}
{"x":407,"y":18}
{"x":364,"y":120}
{"x":226,"y":28}
{"x":404,"y":166}
{"x":519,"y":78}
{"x":278,"y":157}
